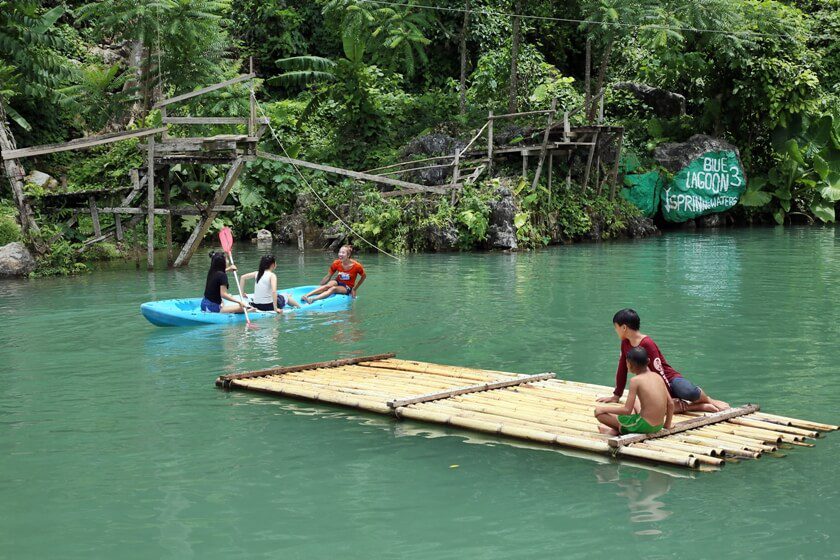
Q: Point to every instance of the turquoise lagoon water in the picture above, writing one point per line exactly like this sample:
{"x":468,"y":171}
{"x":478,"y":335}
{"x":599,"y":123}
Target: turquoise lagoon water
{"x":116,"y":443}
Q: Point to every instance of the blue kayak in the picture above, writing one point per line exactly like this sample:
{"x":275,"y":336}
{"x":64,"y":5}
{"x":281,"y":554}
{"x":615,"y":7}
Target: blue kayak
{"x":187,"y":312}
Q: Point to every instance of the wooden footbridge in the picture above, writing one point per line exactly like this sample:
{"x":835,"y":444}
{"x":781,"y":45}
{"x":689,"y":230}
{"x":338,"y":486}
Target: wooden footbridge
{"x":537,"y":408}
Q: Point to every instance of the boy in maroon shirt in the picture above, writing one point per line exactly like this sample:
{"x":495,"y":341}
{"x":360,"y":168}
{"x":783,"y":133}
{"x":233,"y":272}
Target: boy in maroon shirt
{"x":627,"y":323}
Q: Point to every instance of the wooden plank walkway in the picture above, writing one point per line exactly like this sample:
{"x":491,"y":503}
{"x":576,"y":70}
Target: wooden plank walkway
{"x":536,"y":408}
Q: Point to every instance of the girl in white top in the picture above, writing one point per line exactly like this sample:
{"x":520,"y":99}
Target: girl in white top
{"x":265,"y":296}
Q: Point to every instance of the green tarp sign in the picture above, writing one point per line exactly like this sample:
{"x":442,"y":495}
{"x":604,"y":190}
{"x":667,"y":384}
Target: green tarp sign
{"x":711,"y":183}
{"x":644,"y":191}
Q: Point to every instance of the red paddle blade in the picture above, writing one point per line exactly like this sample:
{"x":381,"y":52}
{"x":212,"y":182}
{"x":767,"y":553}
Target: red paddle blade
{"x":226,"y":237}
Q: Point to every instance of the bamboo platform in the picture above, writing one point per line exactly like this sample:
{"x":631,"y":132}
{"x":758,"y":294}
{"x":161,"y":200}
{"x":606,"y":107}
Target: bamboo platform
{"x":537,"y":408}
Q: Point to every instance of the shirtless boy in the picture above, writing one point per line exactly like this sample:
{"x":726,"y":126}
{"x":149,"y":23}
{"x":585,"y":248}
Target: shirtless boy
{"x":656,"y":408}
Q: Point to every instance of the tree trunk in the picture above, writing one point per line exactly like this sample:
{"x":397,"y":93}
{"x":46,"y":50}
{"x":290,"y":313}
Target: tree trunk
{"x":464,"y":58}
{"x":588,"y":87}
{"x":146,"y":77}
{"x":14,"y":173}
{"x":135,"y":61}
{"x":602,"y":76}
{"x":514,"y":58}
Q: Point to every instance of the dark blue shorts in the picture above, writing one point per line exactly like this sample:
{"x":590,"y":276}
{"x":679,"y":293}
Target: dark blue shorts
{"x":207,"y":305}
{"x":684,"y":389}
{"x":345,"y":286}
{"x":281,"y":303}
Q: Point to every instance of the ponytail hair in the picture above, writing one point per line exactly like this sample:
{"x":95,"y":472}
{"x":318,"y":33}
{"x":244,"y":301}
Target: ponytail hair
{"x":265,"y":262}
{"x":218,"y":263}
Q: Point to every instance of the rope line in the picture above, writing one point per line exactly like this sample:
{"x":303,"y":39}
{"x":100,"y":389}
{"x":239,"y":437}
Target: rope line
{"x":588,"y":21}
{"x":311,"y":188}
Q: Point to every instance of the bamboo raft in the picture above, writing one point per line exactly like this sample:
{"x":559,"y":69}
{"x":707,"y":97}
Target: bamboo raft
{"x":537,"y":408}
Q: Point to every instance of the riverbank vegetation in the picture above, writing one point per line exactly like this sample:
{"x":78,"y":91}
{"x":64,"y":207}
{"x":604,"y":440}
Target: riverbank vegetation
{"x":353,"y":83}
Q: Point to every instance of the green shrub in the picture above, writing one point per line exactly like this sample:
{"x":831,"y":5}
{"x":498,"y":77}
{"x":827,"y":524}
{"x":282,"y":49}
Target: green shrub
{"x":9,"y":230}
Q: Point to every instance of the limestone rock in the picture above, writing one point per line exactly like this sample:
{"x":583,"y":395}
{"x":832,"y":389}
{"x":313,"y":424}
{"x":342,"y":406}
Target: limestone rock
{"x":711,"y":221}
{"x":664,"y":103}
{"x":42,"y":180}
{"x":441,"y":237}
{"x":675,"y":156}
{"x":431,"y":145}
{"x":641,"y":227}
{"x":15,"y":260}
{"x":502,"y":233}
{"x":286,"y":228}
{"x":264,"y":236}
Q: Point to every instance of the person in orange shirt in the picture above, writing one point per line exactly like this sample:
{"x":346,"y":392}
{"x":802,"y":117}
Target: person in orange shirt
{"x":345,"y":281}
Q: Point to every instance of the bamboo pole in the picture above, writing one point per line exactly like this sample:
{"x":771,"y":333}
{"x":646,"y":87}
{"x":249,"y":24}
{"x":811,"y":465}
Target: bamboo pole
{"x":455,"y":370}
{"x":285,"y":369}
{"x":568,"y":425}
{"x":660,"y":456}
{"x":469,"y":389}
{"x":808,"y":425}
{"x":324,"y":396}
{"x":450,"y":380}
{"x":775,"y":427}
{"x":499,"y":428}
{"x":762,"y":435}
{"x":701,"y":457}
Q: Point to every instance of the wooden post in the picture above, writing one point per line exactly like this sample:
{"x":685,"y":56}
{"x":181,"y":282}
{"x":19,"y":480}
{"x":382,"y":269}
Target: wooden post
{"x":252,"y":102}
{"x":569,"y":161}
{"x":524,"y":164}
{"x":601,"y":108}
{"x":300,"y":241}
{"x":566,"y":127}
{"x":598,"y":184}
{"x":550,"y":170}
{"x":137,"y":229}
{"x":456,"y":170}
{"x":168,"y":221}
{"x":589,"y":161}
{"x":118,"y":227}
{"x":544,"y":146}
{"x":150,"y":206}
{"x":206,"y":220}
{"x":614,"y":179}
{"x":163,"y":120}
{"x":489,"y":142}
{"x":94,"y":215}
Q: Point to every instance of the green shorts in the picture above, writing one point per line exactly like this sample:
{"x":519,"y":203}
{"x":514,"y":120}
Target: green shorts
{"x":635,"y":424}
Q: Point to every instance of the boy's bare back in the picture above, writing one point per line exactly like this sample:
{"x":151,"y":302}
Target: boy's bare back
{"x":653,"y":397}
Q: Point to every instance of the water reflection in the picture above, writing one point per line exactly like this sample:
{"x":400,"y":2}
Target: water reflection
{"x":643,"y":489}
{"x":349,"y":328}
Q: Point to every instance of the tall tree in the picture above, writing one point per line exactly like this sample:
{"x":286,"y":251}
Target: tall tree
{"x":514,"y":56}
{"x":463,"y":83}
{"x":176,"y":42}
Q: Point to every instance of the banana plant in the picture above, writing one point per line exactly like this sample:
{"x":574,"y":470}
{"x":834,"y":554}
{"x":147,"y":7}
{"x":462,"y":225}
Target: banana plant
{"x":806,"y":177}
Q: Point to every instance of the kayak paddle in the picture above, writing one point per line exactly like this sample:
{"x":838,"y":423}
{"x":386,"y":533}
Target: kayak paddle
{"x":226,"y":237}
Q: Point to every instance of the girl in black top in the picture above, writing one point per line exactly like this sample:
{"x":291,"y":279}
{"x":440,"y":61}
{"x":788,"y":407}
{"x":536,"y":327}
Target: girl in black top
{"x":216,"y":287}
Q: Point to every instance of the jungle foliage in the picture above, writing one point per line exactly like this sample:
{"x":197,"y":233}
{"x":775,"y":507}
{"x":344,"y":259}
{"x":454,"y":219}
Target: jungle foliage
{"x":352,"y":82}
